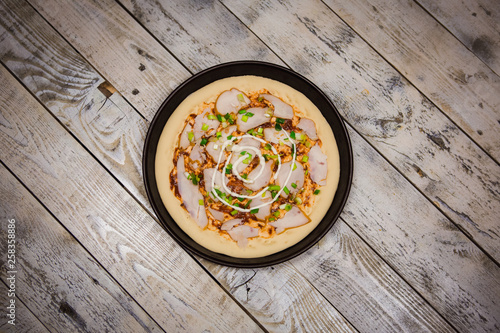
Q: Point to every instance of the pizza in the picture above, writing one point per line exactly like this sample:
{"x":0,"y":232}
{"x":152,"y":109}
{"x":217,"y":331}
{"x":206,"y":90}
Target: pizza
{"x":247,"y":166}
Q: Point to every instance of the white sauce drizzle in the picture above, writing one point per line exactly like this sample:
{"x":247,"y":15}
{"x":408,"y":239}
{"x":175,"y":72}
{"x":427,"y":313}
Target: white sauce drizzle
{"x":262,"y":165}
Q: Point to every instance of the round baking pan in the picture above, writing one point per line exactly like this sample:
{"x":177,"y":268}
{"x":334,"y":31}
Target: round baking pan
{"x":271,"y":71}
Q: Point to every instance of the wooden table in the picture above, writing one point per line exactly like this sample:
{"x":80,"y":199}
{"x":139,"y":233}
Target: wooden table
{"x":417,"y":247}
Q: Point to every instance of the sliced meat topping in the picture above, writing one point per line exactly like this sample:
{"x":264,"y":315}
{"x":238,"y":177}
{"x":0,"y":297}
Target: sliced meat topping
{"x":274,"y":136}
{"x":242,"y":233}
{"x":184,"y":141}
{"x":191,"y":196}
{"x":214,"y":149}
{"x":281,"y":109}
{"x":294,"y":218}
{"x":263,"y":211}
{"x":218,"y":215}
{"x":297,"y":177}
{"x":231,"y":101}
{"x":203,"y":125}
{"x":263,"y":179}
{"x":252,"y":118}
{"x":318,"y":164}
{"x":309,"y":128}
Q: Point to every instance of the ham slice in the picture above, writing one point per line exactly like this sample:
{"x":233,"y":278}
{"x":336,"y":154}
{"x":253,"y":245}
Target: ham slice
{"x":201,"y":120}
{"x":231,"y":101}
{"x":184,"y":140}
{"x":263,"y":211}
{"x":281,"y":109}
{"x":297,"y":177}
{"x":294,"y":218}
{"x":318,"y":164}
{"x":258,"y":118}
{"x":190,"y":195}
{"x":263,"y":179}
{"x":309,"y":128}
{"x":274,"y":136}
{"x":239,"y":233}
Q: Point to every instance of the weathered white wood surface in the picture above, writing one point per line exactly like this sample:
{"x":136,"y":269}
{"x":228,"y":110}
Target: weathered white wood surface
{"x":474,"y":23}
{"x":161,"y":277}
{"x":25,"y":321}
{"x":410,"y":132}
{"x":65,"y":287}
{"x":392,"y":263}
{"x":78,"y":116}
{"x":434,"y":61}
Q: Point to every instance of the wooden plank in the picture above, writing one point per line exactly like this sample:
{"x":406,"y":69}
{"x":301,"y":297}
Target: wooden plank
{"x":77,"y":114}
{"x":109,"y":38}
{"x":199,"y":33}
{"x":74,"y":92}
{"x":475,"y":23}
{"x":112,"y":226}
{"x":435,"y":62}
{"x":64,"y":286}
{"x":404,"y":126}
{"x":416,"y":240}
{"x":24,"y":321}
{"x":295,"y":293}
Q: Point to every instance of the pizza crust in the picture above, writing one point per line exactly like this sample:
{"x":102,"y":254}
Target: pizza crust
{"x":257,"y":247}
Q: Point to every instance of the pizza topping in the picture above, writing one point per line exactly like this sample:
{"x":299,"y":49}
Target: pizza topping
{"x":245,"y":166}
{"x":231,"y":101}
{"x":281,"y":109}
{"x":318,"y":164}
{"x":191,"y":196}
{"x":293,"y":218}
{"x":309,"y":128}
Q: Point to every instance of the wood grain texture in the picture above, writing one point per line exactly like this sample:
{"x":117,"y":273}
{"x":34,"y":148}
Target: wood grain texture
{"x":199,"y":33}
{"x":402,"y":124}
{"x":290,"y":310}
{"x":115,"y":44}
{"x":129,"y":244}
{"x":25,"y":321}
{"x":421,"y":244}
{"x":65,"y":287}
{"x":281,"y":299}
{"x":345,"y":270}
{"x":475,"y":23}
{"x":80,"y":116}
{"x":433,"y":60}
{"x":74,"y":92}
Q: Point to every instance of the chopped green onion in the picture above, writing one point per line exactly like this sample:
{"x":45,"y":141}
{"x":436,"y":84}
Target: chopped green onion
{"x":260,"y":99}
{"x":242,"y":111}
{"x":294,"y":166}
{"x":219,"y":117}
{"x":229,"y":168}
{"x":229,"y":137}
{"x":190,"y":136}
{"x":244,"y":176}
{"x":277,"y":127}
{"x":282,"y":206}
{"x":298,"y":201}
{"x":240,"y":199}
{"x":247,"y":160}
{"x":200,"y":202}
{"x":306,"y":172}
{"x":277,"y":213}
{"x":204,"y":127}
{"x":241,"y":98}
{"x":249,"y":114}
{"x":218,"y":135}
{"x":308,"y":144}
{"x":211,"y":117}
{"x":263,"y":194}
{"x":234,"y":212}
{"x":272,"y":219}
{"x":203,"y":141}
{"x":294,"y":185}
{"x":292,"y":135}
{"x":274,"y":188}
{"x":273,"y":156}
{"x":260,"y":130}
{"x":250,"y":132}
{"x":266,"y":156}
{"x":288,"y":207}
{"x":268,"y":146}
{"x":305,"y":158}
{"x":243,"y":152}
{"x":280,"y":121}
{"x":285,"y":139}
{"x":254,"y":211}
{"x":236,"y":204}
{"x":248,"y":203}
{"x":249,"y":192}
{"x":224,"y":124}
{"x":244,"y":118}
{"x":316,"y":192}
{"x":286,"y":190}
{"x":227,"y":116}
